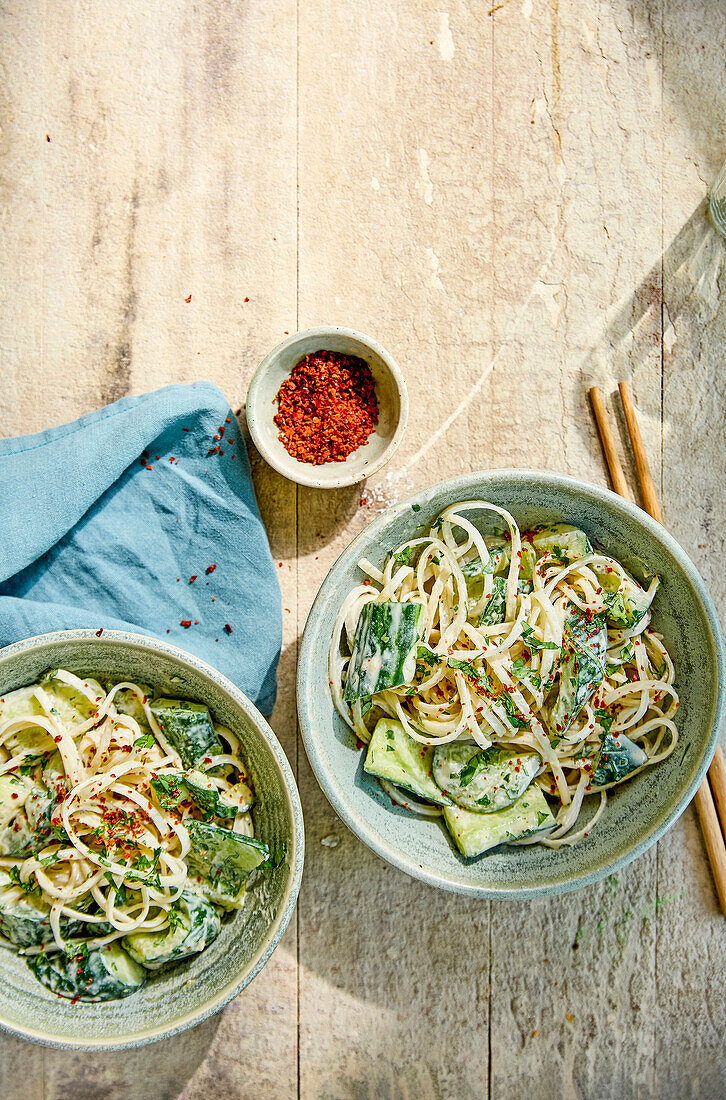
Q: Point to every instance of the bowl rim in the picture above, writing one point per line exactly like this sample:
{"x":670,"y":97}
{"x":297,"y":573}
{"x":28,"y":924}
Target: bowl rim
{"x":282,"y":918}
{"x":309,"y":478}
{"x":390,"y":852}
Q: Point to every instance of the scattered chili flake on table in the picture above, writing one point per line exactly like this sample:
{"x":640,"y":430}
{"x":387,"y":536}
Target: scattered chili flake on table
{"x":327,"y":408}
{"x":228,"y":628}
{"x":192,"y":578}
{"x":186,"y":623}
{"x":99,"y":632}
{"x":210,"y":568}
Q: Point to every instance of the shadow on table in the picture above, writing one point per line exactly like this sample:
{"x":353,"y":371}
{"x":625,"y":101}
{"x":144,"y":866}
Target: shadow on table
{"x":160,"y":1070}
{"x":665,"y":317}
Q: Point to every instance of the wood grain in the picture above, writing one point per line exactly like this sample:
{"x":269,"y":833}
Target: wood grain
{"x":509,"y":197}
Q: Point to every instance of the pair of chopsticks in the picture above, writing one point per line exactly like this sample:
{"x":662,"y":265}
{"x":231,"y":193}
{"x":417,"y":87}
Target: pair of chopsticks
{"x":710,"y":799}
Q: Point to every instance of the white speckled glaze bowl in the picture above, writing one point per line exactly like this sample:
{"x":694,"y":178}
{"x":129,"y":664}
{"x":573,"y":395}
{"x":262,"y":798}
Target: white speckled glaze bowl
{"x":196,"y":987}
{"x":637,"y":813}
{"x":391,"y":392}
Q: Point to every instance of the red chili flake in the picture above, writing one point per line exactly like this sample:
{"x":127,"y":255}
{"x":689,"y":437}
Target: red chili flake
{"x":14,"y":796}
{"x":212,"y":451}
{"x":327,"y":408}
{"x":220,"y":450}
{"x":210,"y":568}
{"x":186,"y":429}
{"x":168,"y":630}
{"x":186,"y":623}
{"x":99,"y":632}
{"x":188,"y":299}
{"x":193,"y":578}
{"x":149,"y":467}
{"x":196,"y":622}
{"x":246,"y":299}
{"x":228,"y":628}
{"x":228,"y":420}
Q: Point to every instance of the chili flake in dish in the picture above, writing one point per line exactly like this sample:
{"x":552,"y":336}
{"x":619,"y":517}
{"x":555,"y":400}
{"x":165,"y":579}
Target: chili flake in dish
{"x":327,"y":408}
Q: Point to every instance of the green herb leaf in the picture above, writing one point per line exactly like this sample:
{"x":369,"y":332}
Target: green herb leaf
{"x":404,"y":556}
{"x":146,"y":741}
{"x":515,"y":719}
{"x":532,"y":641}
{"x":478,"y":760}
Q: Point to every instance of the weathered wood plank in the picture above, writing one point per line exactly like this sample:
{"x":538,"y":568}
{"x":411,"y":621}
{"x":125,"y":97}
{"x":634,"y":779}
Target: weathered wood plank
{"x":170,"y":171}
{"x":691,"y":950}
{"x":395,"y":240}
{"x":577,"y":219}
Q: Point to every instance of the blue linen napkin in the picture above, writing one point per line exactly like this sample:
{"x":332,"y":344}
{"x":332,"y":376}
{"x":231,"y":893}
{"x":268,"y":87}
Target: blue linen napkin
{"x":104,"y":521}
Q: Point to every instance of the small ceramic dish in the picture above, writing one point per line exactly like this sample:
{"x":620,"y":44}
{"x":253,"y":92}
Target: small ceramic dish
{"x":276,"y":367}
{"x":638,"y":812}
{"x":196,"y":987}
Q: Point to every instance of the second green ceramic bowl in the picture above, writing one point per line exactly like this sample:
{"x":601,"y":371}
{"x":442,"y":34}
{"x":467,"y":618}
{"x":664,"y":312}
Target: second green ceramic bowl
{"x":196,"y":987}
{"x":637,"y":813}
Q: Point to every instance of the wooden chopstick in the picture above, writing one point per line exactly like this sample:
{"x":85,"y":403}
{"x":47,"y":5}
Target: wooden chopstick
{"x":642,"y":466}
{"x":617,"y":477}
{"x":711,"y":807}
{"x":712,"y":791}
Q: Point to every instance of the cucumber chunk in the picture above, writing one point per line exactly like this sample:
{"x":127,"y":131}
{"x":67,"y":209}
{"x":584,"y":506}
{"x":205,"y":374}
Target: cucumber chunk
{"x":16,"y":832}
{"x":483,"y":781}
{"x":563,"y":541}
{"x":25,"y":917}
{"x":618,"y":757}
{"x":496,"y":607}
{"x":395,"y":756}
{"x":196,"y":924}
{"x":225,"y":804}
{"x":627,"y":602}
{"x":223,"y":859}
{"x":104,"y":974}
{"x":584,"y":646}
{"x":171,"y":788}
{"x":474,"y":571}
{"x":527,"y":562}
{"x":477,"y":833}
{"x":188,"y":726}
{"x":384,"y":648}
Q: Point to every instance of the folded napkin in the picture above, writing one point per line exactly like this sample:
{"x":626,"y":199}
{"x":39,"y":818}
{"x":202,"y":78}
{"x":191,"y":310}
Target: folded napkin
{"x":142,"y":517}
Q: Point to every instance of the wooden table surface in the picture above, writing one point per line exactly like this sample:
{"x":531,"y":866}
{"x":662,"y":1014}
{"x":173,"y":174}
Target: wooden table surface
{"x":510,"y":197}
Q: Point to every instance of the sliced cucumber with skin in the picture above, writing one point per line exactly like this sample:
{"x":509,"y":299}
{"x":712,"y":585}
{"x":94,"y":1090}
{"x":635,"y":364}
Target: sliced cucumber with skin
{"x":563,"y":541}
{"x":384,"y":648}
{"x":395,"y":756}
{"x":582,"y":668}
{"x":103,"y":974}
{"x":25,"y":917}
{"x":188,"y":727}
{"x":197,"y":925}
{"x":618,"y":757}
{"x":527,"y":562}
{"x":16,"y":832}
{"x":626,"y":601}
{"x":474,"y":572}
{"x":496,"y":607}
{"x":483,"y":780}
{"x":477,"y":833}
{"x":223,"y":860}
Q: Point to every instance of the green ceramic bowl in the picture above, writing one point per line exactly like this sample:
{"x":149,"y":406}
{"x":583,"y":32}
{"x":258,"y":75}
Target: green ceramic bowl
{"x":200,"y":986}
{"x":637,"y":813}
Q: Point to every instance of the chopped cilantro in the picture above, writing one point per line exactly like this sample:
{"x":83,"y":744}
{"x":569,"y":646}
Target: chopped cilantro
{"x":404,"y":556}
{"x":532,"y":641}
{"x":146,"y":741}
